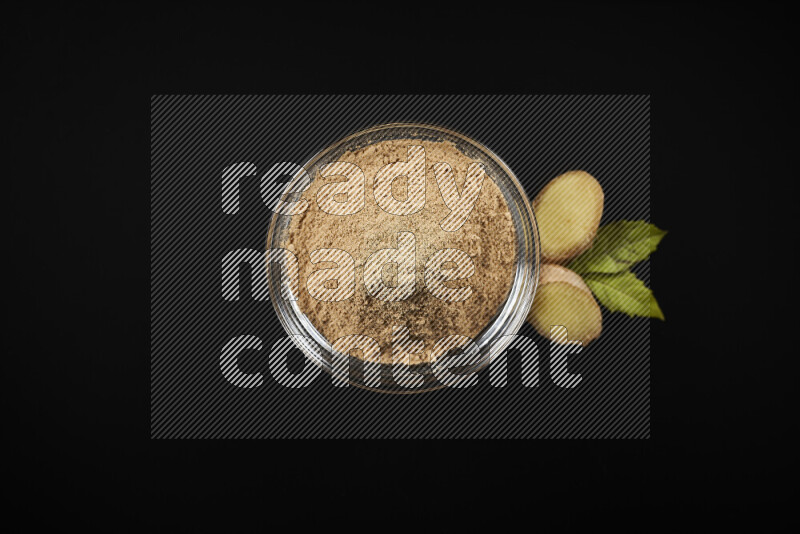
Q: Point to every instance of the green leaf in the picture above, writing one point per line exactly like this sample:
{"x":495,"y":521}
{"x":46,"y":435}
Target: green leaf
{"x":618,"y":246}
{"x":624,"y":293}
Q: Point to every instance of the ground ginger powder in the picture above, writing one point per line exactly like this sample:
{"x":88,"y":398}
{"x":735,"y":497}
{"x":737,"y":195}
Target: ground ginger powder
{"x":488,"y":237}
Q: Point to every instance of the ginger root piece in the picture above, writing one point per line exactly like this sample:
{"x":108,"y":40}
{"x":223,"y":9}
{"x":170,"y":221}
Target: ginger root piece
{"x":568,"y":212}
{"x":564,"y":299}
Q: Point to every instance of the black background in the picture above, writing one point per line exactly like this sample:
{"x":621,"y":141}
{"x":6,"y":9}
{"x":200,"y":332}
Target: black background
{"x":77,"y":83}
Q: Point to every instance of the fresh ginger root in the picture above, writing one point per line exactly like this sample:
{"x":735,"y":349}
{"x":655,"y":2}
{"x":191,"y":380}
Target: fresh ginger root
{"x":568,"y":212}
{"x":564,"y":299}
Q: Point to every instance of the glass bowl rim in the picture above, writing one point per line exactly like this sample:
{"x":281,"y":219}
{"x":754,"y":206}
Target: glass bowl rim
{"x":530,"y":246}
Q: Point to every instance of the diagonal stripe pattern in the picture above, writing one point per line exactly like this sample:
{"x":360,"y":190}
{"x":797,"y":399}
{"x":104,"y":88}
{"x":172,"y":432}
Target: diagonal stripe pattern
{"x":202,"y":145}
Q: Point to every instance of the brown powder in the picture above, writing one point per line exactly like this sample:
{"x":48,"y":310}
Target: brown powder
{"x":488,"y":237}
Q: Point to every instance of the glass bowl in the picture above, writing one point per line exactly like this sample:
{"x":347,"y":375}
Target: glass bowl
{"x":492,"y":340}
